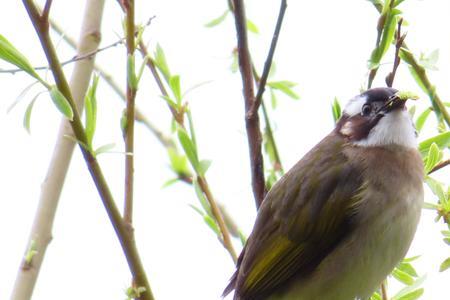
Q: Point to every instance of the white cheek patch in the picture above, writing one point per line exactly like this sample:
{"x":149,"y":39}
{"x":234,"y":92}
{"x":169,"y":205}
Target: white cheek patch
{"x":354,"y":106}
{"x":346,"y":129}
{"x":395,"y":128}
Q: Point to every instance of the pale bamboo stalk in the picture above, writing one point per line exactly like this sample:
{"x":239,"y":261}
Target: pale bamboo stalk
{"x":41,"y":231}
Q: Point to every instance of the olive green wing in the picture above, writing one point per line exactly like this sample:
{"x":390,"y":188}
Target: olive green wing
{"x":303,"y":218}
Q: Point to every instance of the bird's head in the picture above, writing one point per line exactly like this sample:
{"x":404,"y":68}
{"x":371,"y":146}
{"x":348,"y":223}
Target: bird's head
{"x":378,"y":117}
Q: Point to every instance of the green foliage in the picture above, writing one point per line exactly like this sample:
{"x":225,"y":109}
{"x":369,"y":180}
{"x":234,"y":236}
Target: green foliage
{"x":131,"y":72}
{"x":386,"y":25}
{"x":161,"y":62}
{"x":13,"y":56}
{"x":285,"y":87}
{"x":336,"y":110}
{"x":27,"y":115}
{"x":61,"y":103}
{"x":174,"y":83}
{"x":433,"y":158}
{"x":444,"y":265}
{"x":421,"y":119}
{"x":31,"y":252}
{"x":134,"y":292}
{"x":252,"y":27}
{"x":441,"y":140}
{"x":90,"y":103}
{"x":218,"y":20}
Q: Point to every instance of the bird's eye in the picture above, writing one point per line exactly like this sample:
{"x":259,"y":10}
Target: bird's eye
{"x":366,"y":110}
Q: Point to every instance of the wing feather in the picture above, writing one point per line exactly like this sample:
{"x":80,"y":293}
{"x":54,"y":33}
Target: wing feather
{"x":303,"y":218}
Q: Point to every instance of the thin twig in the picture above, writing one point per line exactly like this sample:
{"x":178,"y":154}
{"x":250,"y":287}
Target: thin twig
{"x":277,"y":165}
{"x":439,"y":166}
{"x":218,"y":216}
{"x":398,"y":45}
{"x":409,"y":58}
{"x":71,"y":60}
{"x":130,"y":108}
{"x":384,"y":295}
{"x":251,"y":121}
{"x":125,"y":236}
{"x":46,"y":10}
{"x":269,"y":59}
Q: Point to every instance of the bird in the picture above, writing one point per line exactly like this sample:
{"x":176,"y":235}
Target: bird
{"x":340,"y":220}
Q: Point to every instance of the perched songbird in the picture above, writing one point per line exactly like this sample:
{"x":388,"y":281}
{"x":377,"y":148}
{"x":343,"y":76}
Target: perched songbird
{"x":340,"y":220}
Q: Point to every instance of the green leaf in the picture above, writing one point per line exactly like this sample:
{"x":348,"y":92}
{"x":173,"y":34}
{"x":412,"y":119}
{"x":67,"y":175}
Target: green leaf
{"x":104,"y":148}
{"x":10,"y":54}
{"x":170,"y":182}
{"x":161,"y":63}
{"x":376,"y":296}
{"x":90,"y":101}
{"x":336,"y":110}
{"x":403,"y":277}
{"x":201,"y":197}
{"x":27,"y":116}
{"x":436,"y":187}
{"x":174,"y":83}
{"x":252,"y":27}
{"x":31,"y":252}
{"x":212,"y":224}
{"x":131,"y":72}
{"x":218,"y":20}
{"x":387,"y":37}
{"x":204,"y":166}
{"x":273,"y":99}
{"x":407,"y":268}
{"x":442,"y":141}
{"x":285,"y":87}
{"x":407,"y":95}
{"x":170,"y":102}
{"x":433,"y":157}
{"x":61,"y":103}
{"x":432,"y":206}
{"x":422,"y":118}
{"x":445,"y":265}
{"x":189,"y":149}
{"x":412,"y":291}
{"x":178,"y":162}
{"x":141,"y":70}
{"x":416,"y":294}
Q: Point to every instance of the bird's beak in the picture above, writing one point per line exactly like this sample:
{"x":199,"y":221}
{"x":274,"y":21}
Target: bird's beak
{"x":398,"y":101}
{"x":393,"y":103}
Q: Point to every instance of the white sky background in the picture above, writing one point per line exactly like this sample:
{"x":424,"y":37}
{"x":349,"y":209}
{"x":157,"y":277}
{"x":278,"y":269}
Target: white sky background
{"x":324,"y":47}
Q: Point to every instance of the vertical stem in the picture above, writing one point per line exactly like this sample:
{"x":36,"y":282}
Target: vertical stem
{"x":125,"y":236}
{"x":251,"y":120}
{"x":129,"y":130}
{"x":41,"y":230}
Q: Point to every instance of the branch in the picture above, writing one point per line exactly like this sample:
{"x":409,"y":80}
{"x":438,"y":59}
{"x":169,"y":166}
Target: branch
{"x":439,"y":166}
{"x":398,"y":45}
{"x":251,"y":120}
{"x":129,"y":129}
{"x":41,"y":231}
{"x":125,"y":236}
{"x":269,"y":59}
{"x":436,"y":101}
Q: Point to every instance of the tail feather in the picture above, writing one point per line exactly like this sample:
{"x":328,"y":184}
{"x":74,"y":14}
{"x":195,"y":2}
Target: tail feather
{"x":231,"y":285}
